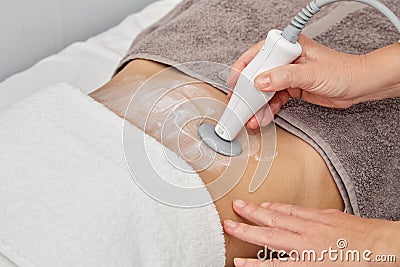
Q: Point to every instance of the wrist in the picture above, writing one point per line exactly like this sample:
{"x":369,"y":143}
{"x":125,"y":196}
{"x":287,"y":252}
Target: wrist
{"x":396,"y":239}
{"x":394,"y":242}
{"x":387,"y":241}
{"x":359,"y":72}
{"x":379,"y":75}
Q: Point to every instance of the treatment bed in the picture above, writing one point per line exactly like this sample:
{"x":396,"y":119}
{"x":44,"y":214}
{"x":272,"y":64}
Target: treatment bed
{"x":86,"y":65}
{"x":85,"y":209}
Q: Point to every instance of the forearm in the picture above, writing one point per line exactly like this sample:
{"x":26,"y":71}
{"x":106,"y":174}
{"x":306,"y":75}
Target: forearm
{"x":396,"y":242}
{"x":380,"y":77}
{"x":389,"y":242}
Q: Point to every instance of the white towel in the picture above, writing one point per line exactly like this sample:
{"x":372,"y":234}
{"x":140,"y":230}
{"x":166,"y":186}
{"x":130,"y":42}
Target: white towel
{"x":68,"y":199}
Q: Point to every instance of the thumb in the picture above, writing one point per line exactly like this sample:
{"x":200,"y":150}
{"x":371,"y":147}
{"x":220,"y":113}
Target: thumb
{"x":282,"y":77}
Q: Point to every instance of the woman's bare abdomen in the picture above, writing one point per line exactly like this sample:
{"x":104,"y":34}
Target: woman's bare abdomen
{"x":298,"y":174}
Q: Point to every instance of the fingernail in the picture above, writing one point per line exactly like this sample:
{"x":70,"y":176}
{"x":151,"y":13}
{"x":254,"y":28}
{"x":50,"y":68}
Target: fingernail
{"x":263,"y":83}
{"x":239,"y":203}
{"x":265,"y":205}
{"x":230,"y":224}
{"x":252,"y":124}
{"x":239,"y":261}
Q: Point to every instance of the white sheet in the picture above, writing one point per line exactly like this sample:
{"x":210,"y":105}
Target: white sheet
{"x":86,"y":65}
{"x":68,"y":199}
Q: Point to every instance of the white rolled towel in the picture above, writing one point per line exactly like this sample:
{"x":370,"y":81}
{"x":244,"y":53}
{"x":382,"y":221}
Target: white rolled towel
{"x":67,"y":197}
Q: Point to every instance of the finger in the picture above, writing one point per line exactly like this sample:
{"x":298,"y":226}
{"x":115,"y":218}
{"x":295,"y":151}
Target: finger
{"x":274,"y":238}
{"x":234,"y":74}
{"x":239,"y":262}
{"x":274,"y":106}
{"x":267,"y":217}
{"x":307,"y":214}
{"x":283,"y":77}
{"x":242,"y":62}
{"x":254,"y":122}
{"x":267,"y":116}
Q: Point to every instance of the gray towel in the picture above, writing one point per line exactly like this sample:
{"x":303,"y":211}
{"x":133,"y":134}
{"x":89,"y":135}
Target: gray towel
{"x":360,"y":145}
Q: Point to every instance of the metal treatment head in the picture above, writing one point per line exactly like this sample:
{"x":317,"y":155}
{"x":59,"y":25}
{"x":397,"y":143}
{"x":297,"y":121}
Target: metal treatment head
{"x":212,"y":140}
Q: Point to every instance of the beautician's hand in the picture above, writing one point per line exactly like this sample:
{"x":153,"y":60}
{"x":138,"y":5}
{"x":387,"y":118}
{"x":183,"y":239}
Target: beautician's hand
{"x":286,"y":227}
{"x":325,"y":77}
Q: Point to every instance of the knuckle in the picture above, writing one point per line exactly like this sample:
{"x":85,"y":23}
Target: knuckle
{"x":293,"y":210}
{"x":286,"y":77}
{"x":275,"y":221}
{"x":293,"y":76}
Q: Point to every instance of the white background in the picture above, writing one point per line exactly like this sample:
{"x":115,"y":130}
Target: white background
{"x":31,"y":30}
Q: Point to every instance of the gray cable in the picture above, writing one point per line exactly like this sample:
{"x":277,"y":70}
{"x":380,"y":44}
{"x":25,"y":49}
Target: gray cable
{"x":293,"y":30}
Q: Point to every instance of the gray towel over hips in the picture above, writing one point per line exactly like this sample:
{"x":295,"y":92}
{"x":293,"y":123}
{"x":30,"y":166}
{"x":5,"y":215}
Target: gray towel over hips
{"x":360,"y":145}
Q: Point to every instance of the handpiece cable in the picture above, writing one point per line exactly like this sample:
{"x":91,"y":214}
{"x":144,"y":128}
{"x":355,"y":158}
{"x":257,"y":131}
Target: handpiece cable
{"x":293,"y":30}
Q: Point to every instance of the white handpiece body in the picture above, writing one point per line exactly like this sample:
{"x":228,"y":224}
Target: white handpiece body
{"x":247,"y":99}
